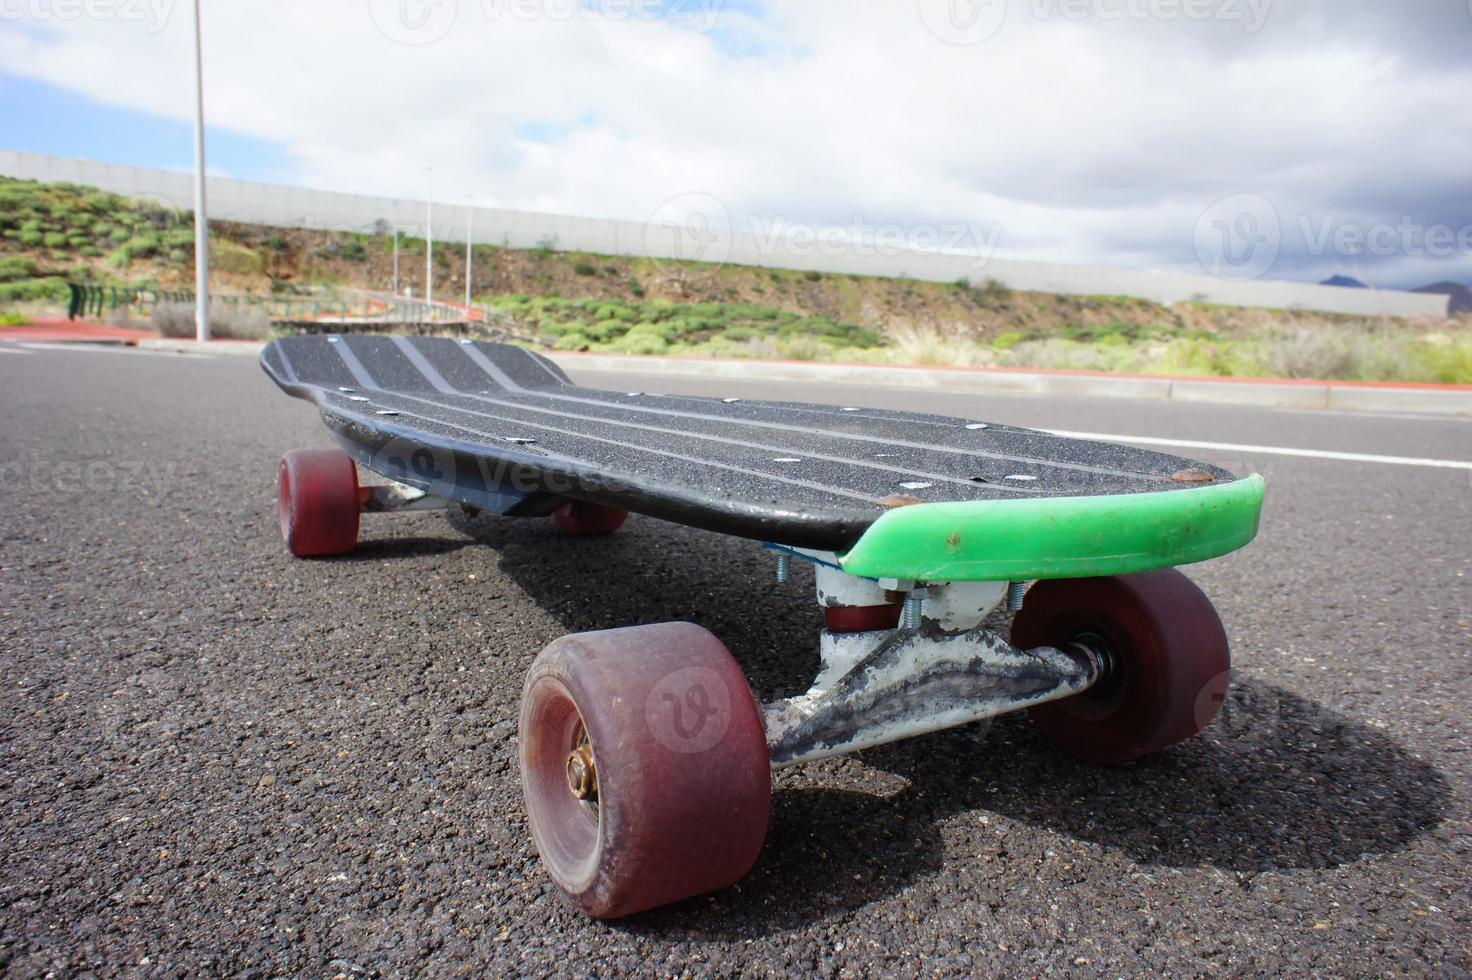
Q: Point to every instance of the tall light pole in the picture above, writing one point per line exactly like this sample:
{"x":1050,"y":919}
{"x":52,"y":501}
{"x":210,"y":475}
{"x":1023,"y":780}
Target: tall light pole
{"x":429,"y":240}
{"x":469,"y":216}
{"x":201,"y":220}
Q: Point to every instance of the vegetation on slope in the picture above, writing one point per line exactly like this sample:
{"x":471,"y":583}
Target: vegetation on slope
{"x":54,"y":233}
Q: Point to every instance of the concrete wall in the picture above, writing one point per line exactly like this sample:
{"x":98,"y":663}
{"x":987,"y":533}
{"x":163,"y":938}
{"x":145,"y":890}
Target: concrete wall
{"x":273,"y":204}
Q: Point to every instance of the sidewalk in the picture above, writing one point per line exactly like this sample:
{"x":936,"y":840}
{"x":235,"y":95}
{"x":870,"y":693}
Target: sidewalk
{"x":1354,"y":396}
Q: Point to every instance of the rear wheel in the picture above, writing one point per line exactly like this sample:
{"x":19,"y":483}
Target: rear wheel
{"x":1168,"y":661}
{"x":645,"y":768}
{"x":317,"y":502}
{"x":579,"y":517}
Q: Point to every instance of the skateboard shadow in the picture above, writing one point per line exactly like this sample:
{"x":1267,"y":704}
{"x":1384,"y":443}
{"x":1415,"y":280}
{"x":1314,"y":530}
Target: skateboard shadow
{"x":1279,"y":782}
{"x":651,"y":571}
{"x":379,"y":549}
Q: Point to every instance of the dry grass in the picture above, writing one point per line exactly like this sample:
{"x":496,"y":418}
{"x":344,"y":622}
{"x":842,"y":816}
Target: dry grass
{"x":1348,"y":353}
{"x":226,"y":322}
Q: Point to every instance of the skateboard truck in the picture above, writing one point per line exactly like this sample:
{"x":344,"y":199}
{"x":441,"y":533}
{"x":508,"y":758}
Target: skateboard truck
{"x":397,"y":498}
{"x":937,"y":669}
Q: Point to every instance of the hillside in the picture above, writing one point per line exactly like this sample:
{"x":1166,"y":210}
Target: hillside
{"x":53,"y":233}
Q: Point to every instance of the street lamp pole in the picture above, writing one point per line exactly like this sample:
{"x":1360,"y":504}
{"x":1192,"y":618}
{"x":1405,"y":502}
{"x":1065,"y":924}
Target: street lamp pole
{"x":469,"y":216}
{"x":429,"y":240}
{"x":201,"y":220}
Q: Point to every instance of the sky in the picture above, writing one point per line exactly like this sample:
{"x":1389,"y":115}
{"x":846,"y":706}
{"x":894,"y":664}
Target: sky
{"x":1292,"y":139}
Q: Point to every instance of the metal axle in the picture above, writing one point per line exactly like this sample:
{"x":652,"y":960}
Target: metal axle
{"x":396,"y":498}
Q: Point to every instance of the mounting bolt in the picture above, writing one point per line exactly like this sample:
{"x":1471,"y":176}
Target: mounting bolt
{"x":784,"y":566}
{"x":910,"y":612}
{"x":582,"y":775}
{"x":1015,"y":591}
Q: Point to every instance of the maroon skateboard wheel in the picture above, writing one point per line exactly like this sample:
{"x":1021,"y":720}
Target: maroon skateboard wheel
{"x":644,"y":764}
{"x":1168,"y":661}
{"x":317,"y":501}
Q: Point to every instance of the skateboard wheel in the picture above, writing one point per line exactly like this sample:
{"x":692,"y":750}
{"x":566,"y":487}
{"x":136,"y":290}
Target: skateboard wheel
{"x":579,"y":517}
{"x":1168,"y":661}
{"x":317,"y":501}
{"x":645,"y":767}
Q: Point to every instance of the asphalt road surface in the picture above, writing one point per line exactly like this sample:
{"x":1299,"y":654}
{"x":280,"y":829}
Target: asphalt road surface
{"x":218,"y":760}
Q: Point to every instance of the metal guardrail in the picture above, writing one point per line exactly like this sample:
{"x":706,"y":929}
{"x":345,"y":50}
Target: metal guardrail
{"x":87,"y":299}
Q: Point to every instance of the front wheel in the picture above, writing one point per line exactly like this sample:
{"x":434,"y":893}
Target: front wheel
{"x":317,"y":502}
{"x":1168,"y":664}
{"x":645,"y":767}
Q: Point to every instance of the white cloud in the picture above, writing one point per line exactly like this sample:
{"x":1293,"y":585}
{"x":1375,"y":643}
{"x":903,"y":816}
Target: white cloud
{"x":1093,"y":138}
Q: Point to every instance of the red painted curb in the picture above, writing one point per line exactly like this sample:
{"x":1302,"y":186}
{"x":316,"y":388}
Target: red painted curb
{"x":60,"y":329}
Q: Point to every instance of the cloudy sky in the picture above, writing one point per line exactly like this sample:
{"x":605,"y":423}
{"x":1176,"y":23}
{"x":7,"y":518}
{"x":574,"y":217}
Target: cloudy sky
{"x":1145,"y":133}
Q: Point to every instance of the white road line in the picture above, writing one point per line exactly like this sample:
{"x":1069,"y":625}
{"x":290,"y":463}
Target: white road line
{"x":11,"y":349}
{"x":1234,"y":447}
{"x":113,"y":349}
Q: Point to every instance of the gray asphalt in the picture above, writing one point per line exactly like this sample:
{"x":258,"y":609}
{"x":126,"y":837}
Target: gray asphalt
{"x":219,"y":760}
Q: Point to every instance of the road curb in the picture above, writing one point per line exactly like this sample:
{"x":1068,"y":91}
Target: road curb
{"x":1451,"y":400}
{"x":252,"y":347}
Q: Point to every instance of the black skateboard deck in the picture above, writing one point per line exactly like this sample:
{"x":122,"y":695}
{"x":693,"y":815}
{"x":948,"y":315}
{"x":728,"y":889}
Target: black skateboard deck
{"x":502,"y":428}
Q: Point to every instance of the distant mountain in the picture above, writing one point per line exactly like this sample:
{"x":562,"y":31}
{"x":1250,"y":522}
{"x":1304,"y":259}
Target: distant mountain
{"x":1347,"y":281}
{"x":1461,"y":296}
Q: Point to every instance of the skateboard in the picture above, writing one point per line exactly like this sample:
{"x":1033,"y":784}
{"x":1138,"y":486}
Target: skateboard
{"x":645,"y":759}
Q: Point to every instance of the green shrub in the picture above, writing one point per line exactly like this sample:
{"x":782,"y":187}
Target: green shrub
{"x":51,"y":288}
{"x":638,"y":344}
{"x":606,"y":330}
{"x":572,"y":341}
{"x":230,"y":257}
{"x":13,"y":319}
{"x":584,"y":269}
{"x":140,"y":247}
{"x":15,"y":267}
{"x":812,"y":275}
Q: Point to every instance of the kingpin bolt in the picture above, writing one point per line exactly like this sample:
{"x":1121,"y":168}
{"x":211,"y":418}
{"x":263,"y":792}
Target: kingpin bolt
{"x":784,"y":566}
{"x":911,"y":611}
{"x":1015,"y":592}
